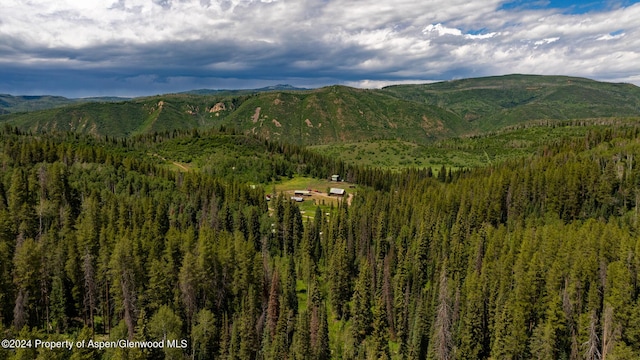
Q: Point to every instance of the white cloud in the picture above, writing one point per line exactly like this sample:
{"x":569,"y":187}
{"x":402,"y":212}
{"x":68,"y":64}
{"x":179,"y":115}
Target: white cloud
{"x":378,"y":84}
{"x":611,"y":36}
{"x":343,"y":40}
{"x":481,"y":36}
{"x":547,"y":41}
{"x":441,"y":30}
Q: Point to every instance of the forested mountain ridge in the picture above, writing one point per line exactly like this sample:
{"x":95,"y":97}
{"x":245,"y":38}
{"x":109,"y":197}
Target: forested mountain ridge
{"x":531,"y":258}
{"x":25,"y":103}
{"x":316,"y":116}
{"x":11,"y":104}
{"x":494,"y":102}
{"x":338,"y":114}
{"x":279,"y":87}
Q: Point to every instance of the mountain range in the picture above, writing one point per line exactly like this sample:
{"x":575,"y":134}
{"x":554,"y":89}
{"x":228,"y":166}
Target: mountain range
{"x":419,"y":113}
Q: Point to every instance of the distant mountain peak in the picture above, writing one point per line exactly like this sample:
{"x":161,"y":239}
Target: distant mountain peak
{"x":280,"y":87}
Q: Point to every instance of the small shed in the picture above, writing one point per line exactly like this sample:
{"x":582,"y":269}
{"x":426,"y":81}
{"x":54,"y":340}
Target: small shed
{"x":297,"y":198}
{"x":335,"y":177}
{"x":336,"y":191}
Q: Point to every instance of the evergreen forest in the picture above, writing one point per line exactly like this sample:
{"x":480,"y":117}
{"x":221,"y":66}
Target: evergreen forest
{"x":532,"y":257}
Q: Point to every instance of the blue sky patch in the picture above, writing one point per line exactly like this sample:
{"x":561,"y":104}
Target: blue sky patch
{"x":567,"y":6}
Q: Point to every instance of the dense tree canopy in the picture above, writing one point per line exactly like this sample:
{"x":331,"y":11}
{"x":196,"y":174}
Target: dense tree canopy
{"x":535,"y":258}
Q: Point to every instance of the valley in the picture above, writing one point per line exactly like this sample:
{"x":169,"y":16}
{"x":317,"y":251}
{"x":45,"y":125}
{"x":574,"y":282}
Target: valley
{"x":489,"y":218}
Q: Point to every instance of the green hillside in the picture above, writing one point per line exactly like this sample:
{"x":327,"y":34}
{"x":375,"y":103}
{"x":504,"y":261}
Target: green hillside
{"x":144,"y":115}
{"x":25,"y":103}
{"x":9,"y":103}
{"x":338,"y":114}
{"x":15,"y":104}
{"x":327,"y":115}
{"x":494,"y":102}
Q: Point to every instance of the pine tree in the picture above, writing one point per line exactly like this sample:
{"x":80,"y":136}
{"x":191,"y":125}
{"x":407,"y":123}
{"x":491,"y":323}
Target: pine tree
{"x":321,"y":349}
{"x":361,"y":316}
{"x":27,"y":264}
{"x":280,"y":347}
{"x":339,"y":280}
{"x":301,"y":346}
{"x":20,"y":205}
{"x":419,"y":334}
{"x":90,"y":295}
{"x":401,"y":305}
{"x":474,"y":332}
{"x":289,"y":283}
{"x":189,"y":280}
{"x":380,"y":332}
{"x":247,"y":337}
{"x":124,"y":288}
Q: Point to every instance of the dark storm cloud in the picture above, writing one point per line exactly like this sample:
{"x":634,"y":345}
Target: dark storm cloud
{"x":139,"y":47}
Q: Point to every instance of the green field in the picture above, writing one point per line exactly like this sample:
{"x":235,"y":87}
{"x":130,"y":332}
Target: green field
{"x":304,"y":183}
{"x":310,"y":203}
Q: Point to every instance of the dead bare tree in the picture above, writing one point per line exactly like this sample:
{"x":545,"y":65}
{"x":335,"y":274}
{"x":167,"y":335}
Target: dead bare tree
{"x":592,"y":352}
{"x":442,"y":336}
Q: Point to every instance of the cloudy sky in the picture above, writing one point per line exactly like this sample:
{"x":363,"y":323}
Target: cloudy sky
{"x":139,"y":47}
